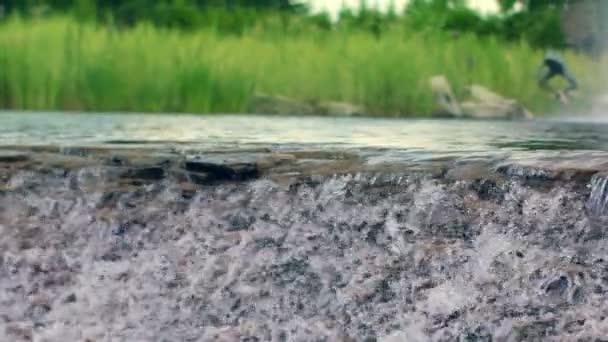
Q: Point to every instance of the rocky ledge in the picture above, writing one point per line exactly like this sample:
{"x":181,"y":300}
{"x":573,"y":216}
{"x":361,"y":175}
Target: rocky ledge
{"x":105,"y":244}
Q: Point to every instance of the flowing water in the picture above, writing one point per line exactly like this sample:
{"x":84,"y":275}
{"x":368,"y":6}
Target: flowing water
{"x":414,"y":136}
{"x":124,"y":227}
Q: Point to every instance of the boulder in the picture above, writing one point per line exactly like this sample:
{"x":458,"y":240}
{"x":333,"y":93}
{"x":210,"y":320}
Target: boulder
{"x":341,"y":109}
{"x":445,"y":101}
{"x":486,"y":104}
{"x":266,"y":104}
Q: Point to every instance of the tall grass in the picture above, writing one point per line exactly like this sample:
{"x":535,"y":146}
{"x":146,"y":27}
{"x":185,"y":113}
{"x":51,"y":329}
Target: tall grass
{"x":62,"y":64}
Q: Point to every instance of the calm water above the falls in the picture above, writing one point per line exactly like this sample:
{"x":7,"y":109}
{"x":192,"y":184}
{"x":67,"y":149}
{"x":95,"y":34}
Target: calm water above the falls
{"x":413,"y":137}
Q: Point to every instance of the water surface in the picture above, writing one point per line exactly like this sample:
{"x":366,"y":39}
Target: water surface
{"x":413,"y":138}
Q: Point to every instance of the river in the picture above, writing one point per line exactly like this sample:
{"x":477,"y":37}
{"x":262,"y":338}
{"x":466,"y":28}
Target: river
{"x":133,"y":227}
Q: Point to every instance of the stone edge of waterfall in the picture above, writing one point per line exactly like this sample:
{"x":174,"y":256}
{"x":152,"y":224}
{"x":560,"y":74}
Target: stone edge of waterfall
{"x":142,"y":165}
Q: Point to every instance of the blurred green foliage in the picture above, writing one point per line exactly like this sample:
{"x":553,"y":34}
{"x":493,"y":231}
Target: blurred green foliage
{"x":214,"y":55}
{"x":538,"y":23}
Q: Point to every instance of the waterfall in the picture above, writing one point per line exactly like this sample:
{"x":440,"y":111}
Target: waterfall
{"x":597,"y":205}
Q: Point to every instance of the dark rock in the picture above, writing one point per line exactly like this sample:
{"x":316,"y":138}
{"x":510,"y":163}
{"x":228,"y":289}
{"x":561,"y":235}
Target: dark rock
{"x":199,"y":178}
{"x":487,"y":190}
{"x":290,"y":270}
{"x":111,"y":256}
{"x":266,"y":243}
{"x":219,"y":170}
{"x":70,"y":299}
{"x":384,"y":292}
{"x":240,"y":222}
{"x":38,"y":310}
{"x":558,"y":286}
{"x":373,"y":233}
{"x":117,"y":161}
{"x":578,"y":295}
{"x":120,"y":230}
{"x":145,"y":173}
{"x":528,"y":173}
{"x":535,"y":331}
{"x":13,"y":157}
{"x":480,"y":334}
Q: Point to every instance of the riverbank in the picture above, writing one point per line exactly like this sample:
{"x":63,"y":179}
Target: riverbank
{"x":62,"y":64}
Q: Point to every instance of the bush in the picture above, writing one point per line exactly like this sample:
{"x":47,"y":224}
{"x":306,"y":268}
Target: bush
{"x":176,"y":15}
{"x":540,"y":28}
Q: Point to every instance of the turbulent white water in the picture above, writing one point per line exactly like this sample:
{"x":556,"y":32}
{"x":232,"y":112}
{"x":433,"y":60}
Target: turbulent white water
{"x":390,"y":258}
{"x":113,"y":229}
{"x":598,"y":201}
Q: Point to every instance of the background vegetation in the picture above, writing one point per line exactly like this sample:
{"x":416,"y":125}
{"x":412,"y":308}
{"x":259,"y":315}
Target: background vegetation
{"x":208,"y":56}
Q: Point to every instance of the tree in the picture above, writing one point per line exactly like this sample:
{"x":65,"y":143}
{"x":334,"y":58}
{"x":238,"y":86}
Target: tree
{"x":531,"y":5}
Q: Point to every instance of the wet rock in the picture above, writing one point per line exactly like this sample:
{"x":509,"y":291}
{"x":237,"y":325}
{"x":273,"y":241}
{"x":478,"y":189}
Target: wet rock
{"x":13,"y":157}
{"x":529,"y":174}
{"x":39,"y":309}
{"x":540,"y":330}
{"x":117,"y":161}
{"x":480,"y":334}
{"x":487,"y":189}
{"x":240,"y":221}
{"x":578,"y":295}
{"x":221,"y":169}
{"x":70,"y":299}
{"x":384,"y":291}
{"x":558,"y":286}
{"x":111,"y":256}
{"x":290,"y":270}
{"x":120,"y":230}
{"x":266,"y":243}
{"x":470,"y":171}
{"x":559,"y":166}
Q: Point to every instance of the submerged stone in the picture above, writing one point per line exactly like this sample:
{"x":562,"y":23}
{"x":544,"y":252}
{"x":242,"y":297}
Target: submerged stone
{"x":218,"y":169}
{"x":13,"y":156}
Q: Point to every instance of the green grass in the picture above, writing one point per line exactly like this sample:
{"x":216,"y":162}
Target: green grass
{"x":61,"y":64}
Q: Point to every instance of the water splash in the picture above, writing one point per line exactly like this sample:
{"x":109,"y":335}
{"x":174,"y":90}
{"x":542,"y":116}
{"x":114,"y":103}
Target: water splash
{"x":365,"y":256}
{"x":598,"y":200}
